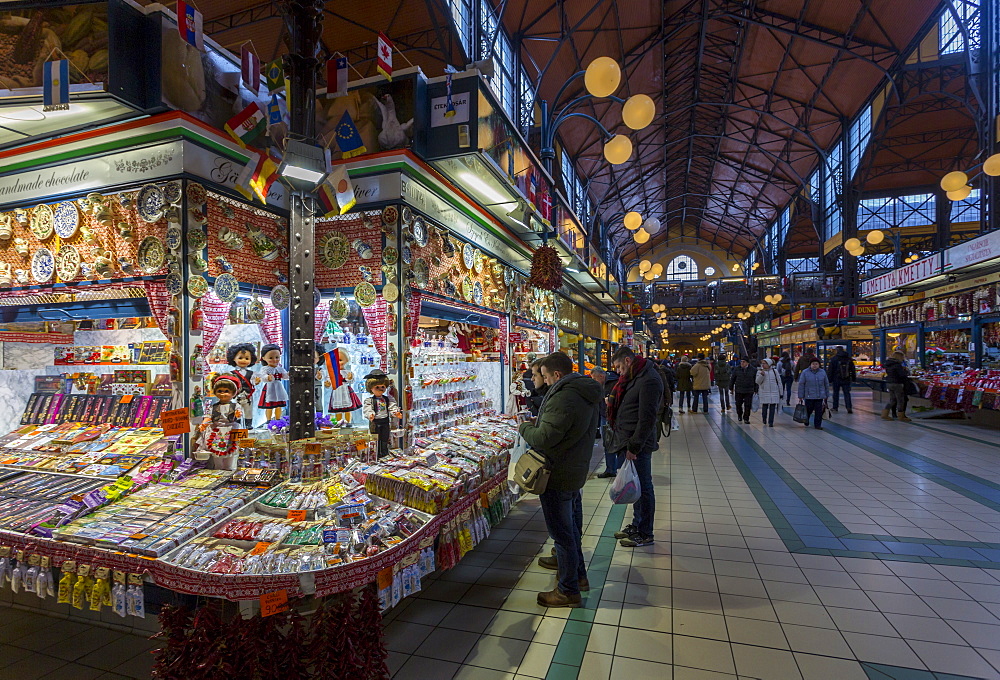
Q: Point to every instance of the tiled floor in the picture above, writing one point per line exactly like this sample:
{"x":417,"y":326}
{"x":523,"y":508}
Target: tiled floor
{"x":867,"y":551}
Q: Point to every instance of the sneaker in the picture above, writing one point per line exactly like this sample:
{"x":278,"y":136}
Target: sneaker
{"x":819,"y":428}
{"x":637,"y":541}
{"x":605,"y":475}
{"x":584,"y":585}
{"x":557,"y":598}
{"x":548,"y":562}
{"x":682,"y":410}
{"x":747,"y":421}
{"x":626,"y":531}
{"x":850,"y":411}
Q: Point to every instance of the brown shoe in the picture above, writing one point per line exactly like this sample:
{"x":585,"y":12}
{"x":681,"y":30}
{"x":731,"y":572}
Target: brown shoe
{"x":885,"y":414}
{"x":584,"y":585}
{"x":548,"y":562}
{"x":557,"y":598}
{"x":904,"y":418}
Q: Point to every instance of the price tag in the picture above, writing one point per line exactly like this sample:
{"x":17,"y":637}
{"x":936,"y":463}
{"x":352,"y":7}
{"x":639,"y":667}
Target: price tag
{"x":384,"y":578}
{"x":274,"y":603}
{"x":177,"y":421}
{"x":312,"y":448}
{"x":126,"y":399}
{"x":260,"y":548}
{"x":297,"y":515}
{"x":237,"y":435}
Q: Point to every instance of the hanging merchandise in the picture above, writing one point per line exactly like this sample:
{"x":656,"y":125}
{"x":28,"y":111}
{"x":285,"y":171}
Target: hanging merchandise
{"x":546,"y":269}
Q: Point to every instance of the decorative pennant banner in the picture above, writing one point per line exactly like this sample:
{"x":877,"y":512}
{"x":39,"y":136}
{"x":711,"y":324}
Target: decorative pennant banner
{"x":384,"y":63}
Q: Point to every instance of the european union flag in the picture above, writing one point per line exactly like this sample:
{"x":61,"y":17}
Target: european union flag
{"x":348,"y":138}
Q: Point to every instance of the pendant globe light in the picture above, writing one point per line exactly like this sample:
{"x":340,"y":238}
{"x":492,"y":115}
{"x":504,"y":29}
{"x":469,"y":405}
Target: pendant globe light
{"x":641,"y":236}
{"x":875,"y":237}
{"x":852,"y":244}
{"x":603,"y":77}
{"x":618,"y":149}
{"x":632,"y":221}
{"x":638,"y":111}
{"x":959,"y":194}
{"x":657,"y":270}
{"x":954,"y":181}
{"x":652,"y":225}
{"x":645,"y":266}
{"x":992,"y":165}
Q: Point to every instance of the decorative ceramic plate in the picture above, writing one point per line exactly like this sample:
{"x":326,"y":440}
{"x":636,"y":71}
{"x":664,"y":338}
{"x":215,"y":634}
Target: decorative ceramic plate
{"x":420,"y":234}
{"x":469,"y":256}
{"x":449,"y":288}
{"x":477,"y":293}
{"x":407,"y":255}
{"x":338,"y":308}
{"x":390,"y":255}
{"x":508,"y":276}
{"x":152,"y":255}
{"x":407,"y":215}
{"x":174,"y":237}
{"x":255,"y":310}
{"x":317,"y":298}
{"x":66,"y":219}
{"x":421,"y":272}
{"x":478,"y":261}
{"x":334,"y":249}
{"x":389,"y":216}
{"x":42,"y":221}
{"x":196,"y":194}
{"x":172,"y":193}
{"x":364,"y":294}
{"x":467,"y":289}
{"x":390,"y":292}
{"x":227,"y":287}
{"x":390,"y":273}
{"x":280,"y":297}
{"x":197,"y":239}
{"x":67,"y":263}
{"x":175,"y":285}
{"x":197,"y":286}
{"x":150,"y":203}
{"x":497,"y":271}
{"x":43,"y":265}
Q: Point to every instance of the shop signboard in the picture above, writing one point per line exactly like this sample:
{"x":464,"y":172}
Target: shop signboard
{"x":832,"y":312}
{"x":904,"y":276}
{"x":515,"y":337}
{"x":978,"y":250}
{"x":865,"y":310}
{"x":856,"y":333}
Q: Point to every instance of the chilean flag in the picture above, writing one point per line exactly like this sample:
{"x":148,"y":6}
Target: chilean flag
{"x":189,"y":23}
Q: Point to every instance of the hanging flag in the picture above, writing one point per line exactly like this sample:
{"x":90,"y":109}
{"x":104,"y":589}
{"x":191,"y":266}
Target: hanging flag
{"x":277,"y":111}
{"x":341,"y":183}
{"x":384,"y":63}
{"x":348,"y":138}
{"x":55,"y":80}
{"x":336,"y":76}
{"x":328,"y":199}
{"x":449,"y":107}
{"x":246,"y":124}
{"x":189,"y":23}
{"x":250,"y":70}
{"x":258,"y":175}
{"x":275,"y":76}
{"x":333,"y":372}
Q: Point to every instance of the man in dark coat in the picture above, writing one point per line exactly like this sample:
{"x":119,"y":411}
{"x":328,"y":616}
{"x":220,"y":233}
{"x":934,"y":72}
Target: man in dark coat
{"x":564,"y":434}
{"x":744,"y":383}
{"x":842,"y":372}
{"x":633,"y":409}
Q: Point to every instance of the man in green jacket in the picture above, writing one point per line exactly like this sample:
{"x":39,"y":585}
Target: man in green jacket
{"x":564,"y":434}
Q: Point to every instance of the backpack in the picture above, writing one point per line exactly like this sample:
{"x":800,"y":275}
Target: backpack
{"x":843,"y":371}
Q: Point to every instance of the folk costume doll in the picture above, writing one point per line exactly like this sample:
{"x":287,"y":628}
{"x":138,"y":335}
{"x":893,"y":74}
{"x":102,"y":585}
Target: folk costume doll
{"x":219,"y":422}
{"x":343,"y":399}
{"x":379,"y":407}
{"x":273,"y":397}
{"x":241,"y":357}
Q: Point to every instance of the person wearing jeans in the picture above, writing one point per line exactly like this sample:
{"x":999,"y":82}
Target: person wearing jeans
{"x":684,"y":382}
{"x":701,"y":382}
{"x":897,"y":375}
{"x":723,"y":378}
{"x":842,"y":373}
{"x":744,"y":385}
{"x":814,"y":390}
{"x":564,"y":523}
{"x":786,"y":371}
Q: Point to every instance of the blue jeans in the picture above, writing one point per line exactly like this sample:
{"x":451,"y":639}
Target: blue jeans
{"x":837,"y":387}
{"x":644,"y":508}
{"x":786,"y":386}
{"x":703,"y":394}
{"x":563,"y":512}
{"x":767,"y":413}
{"x":611,"y":462}
{"x":724,"y":401}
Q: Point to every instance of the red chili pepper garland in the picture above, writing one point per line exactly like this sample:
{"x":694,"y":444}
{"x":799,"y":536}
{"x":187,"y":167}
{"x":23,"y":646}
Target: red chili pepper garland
{"x":546,"y":269}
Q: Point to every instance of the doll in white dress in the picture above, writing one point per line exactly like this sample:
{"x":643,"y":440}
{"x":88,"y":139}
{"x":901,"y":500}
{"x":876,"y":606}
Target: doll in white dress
{"x":273,"y":397}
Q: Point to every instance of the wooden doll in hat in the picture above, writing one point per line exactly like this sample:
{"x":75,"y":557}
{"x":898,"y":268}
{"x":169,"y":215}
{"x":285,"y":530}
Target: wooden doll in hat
{"x":379,"y":407}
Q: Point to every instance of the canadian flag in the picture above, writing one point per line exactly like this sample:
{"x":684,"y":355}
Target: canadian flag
{"x":384,"y":64}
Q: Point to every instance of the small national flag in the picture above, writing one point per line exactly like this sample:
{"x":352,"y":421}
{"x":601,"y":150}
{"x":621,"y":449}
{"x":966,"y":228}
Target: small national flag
{"x":257,"y":176}
{"x":348,"y":138}
{"x":55,"y":78}
{"x":275,"y":75}
{"x":341,"y":183}
{"x":336,"y":76}
{"x":384,"y":64}
{"x":332,"y":364}
{"x":247,"y":124}
{"x":189,"y":22}
{"x":277,"y":111}
{"x":250,"y":70}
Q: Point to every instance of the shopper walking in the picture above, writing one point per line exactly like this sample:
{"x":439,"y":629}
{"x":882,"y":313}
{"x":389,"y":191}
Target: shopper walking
{"x":787,"y":373}
{"x":684,"y":383}
{"x":564,"y":434}
{"x":814,"y":390}
{"x":744,"y":386}
{"x":842,"y":372}
{"x":607,"y":384}
{"x":768,"y":391}
{"x":632,"y":412}
{"x":897,"y":375}
{"x":701,"y":382}
{"x":723,"y":378}
{"x":666,"y":406}
{"x":804,"y":362}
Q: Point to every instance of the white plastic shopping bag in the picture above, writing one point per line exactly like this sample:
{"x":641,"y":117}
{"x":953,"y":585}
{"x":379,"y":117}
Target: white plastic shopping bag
{"x":520,"y":446}
{"x":625,"y":488}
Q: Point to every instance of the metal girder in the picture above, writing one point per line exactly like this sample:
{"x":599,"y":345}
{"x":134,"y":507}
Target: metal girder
{"x":241,"y":18}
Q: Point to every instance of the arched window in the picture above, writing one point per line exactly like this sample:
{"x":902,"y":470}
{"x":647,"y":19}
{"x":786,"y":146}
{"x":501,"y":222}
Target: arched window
{"x":681,"y":268}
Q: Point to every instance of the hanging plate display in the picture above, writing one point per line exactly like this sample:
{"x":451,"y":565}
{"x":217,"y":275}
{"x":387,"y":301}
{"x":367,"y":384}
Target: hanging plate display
{"x":196,"y":194}
{"x":43,"y":265}
{"x":227,"y":287}
{"x":197,"y":239}
{"x":42,"y":222}
{"x":364,"y":294}
{"x":478,"y":261}
{"x":175,"y":285}
{"x":317,"y":298}
{"x":420,"y":234}
{"x":390,"y":255}
{"x":407,"y":255}
{"x":152,"y":255}
{"x":255,"y":310}
{"x":66,"y":219}
{"x":477,"y":293}
{"x":407,"y":215}
{"x":172,"y":193}
{"x":67,"y":263}
{"x":150,"y":203}
{"x":390,"y":292}
{"x":469,"y":256}
{"x":280,"y":297}
{"x":508,"y":276}
{"x":197,"y":286}
{"x":338,"y":308}
{"x":389,"y":216}
{"x":467,"y":289}
{"x":174,"y":237}
{"x":421,"y":272}
{"x":334,"y":249}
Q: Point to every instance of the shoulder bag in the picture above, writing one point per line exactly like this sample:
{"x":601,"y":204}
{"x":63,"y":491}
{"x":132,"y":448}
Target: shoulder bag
{"x":531,"y":472}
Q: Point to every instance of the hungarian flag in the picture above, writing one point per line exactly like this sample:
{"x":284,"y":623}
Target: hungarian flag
{"x":275,"y":76}
{"x":55,"y":83}
{"x":384,"y":64}
{"x":337,"y":193}
{"x":250,"y":70}
{"x":336,"y":76}
{"x":258,"y":175}
{"x":189,"y":23}
{"x":247,"y":124}
{"x":348,"y":138}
